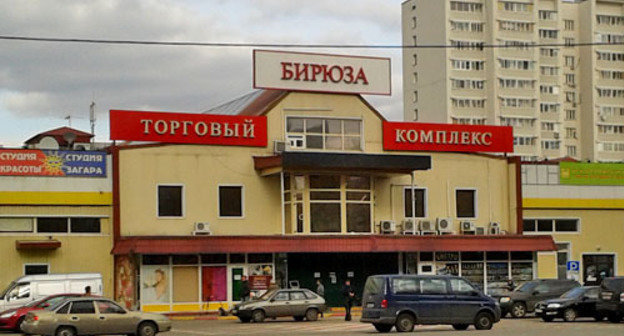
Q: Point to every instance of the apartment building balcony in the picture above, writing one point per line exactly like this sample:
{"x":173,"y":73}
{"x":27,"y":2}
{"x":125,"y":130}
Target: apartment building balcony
{"x":514,"y":73}
{"x":515,"y":52}
{"x":549,"y":98}
{"x":610,"y":82}
{"x":525,"y":150}
{"x":550,"y":79}
{"x":549,"y":24}
{"x":472,"y":112}
{"x":607,"y":28}
{"x":466,"y":16}
{"x":516,"y":92}
{"x":467,"y":93}
{"x":525,"y":35}
{"x":551,"y":153}
{"x":615,"y":101}
{"x":547,"y":60}
{"x":518,"y":111}
{"x":550,"y":116}
{"x":550,"y":135}
{"x":524,"y":129}
{"x":466,"y":35}
{"x":609,"y":156}
{"x":467,"y":74}
{"x":609,"y":137}
{"x":467,"y":53}
{"x":615,"y":119}
{"x":610,"y":65}
{"x":515,"y":16}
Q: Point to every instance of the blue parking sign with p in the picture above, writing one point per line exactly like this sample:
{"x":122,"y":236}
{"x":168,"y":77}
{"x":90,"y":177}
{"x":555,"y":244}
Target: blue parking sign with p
{"x":574,"y":265}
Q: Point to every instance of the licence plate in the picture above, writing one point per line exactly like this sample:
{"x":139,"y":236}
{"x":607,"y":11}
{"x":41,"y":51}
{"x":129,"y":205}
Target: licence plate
{"x":370,"y":305}
{"x":538,"y":310}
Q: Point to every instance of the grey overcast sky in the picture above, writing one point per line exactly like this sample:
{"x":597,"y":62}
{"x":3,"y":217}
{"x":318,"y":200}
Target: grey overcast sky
{"x":42,"y":83}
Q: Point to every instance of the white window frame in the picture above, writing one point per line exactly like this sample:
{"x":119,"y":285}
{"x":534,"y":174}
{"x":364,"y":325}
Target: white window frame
{"x":553,"y":231}
{"x":183,"y":200}
{"x":425,"y":201}
{"x":47,"y":265}
{"x":475,"y":203}
{"x":242,"y":186}
{"x":323,"y":118}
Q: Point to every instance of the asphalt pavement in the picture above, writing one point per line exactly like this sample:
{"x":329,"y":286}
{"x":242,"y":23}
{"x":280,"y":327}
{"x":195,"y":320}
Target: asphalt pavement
{"x":337,"y":325}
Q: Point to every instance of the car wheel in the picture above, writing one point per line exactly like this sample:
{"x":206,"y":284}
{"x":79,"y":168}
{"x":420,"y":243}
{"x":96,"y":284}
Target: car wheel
{"x":569,"y":315}
{"x":598,"y":317}
{"x":311,"y":314}
{"x":460,"y":326}
{"x":147,"y":329}
{"x":383,"y":327}
{"x":298,"y":318}
{"x":614,"y":318}
{"x":65,"y":331}
{"x":484,"y":321}
{"x":404,"y":323}
{"x":518,"y":310}
{"x":258,"y":316}
{"x":18,"y":325}
{"x":548,"y":318}
{"x":244,"y":319}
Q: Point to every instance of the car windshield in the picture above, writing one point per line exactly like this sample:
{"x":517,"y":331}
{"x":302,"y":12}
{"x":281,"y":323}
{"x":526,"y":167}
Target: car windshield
{"x":56,"y":304}
{"x":574,"y":293}
{"x":526,"y":287}
{"x":7,"y":289}
{"x":267,"y":295}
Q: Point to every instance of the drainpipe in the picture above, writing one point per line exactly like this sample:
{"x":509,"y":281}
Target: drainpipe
{"x":282,"y":205}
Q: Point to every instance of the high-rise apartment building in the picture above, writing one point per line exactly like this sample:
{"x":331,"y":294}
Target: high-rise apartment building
{"x":561,"y":98}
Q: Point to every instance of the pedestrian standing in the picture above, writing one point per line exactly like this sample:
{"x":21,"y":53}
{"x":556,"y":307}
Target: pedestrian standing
{"x":245,"y":291}
{"x":349,"y":296}
{"x":320,"y":290}
{"x":87,"y":291}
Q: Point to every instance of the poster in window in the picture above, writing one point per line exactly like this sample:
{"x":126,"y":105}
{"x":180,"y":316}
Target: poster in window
{"x":124,"y":281}
{"x":155,"y":284}
{"x":261,"y":269}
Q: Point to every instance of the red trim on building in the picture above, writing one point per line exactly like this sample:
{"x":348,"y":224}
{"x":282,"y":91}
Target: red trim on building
{"x":329,"y":243}
{"x":519,"y":215}
{"x":51,"y":244}
{"x":264,"y":162}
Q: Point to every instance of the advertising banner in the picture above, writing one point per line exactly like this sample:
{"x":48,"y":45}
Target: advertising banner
{"x":188,"y":128}
{"x":35,"y":162}
{"x":412,"y":136}
{"x":321,"y":72}
{"x":579,"y":173}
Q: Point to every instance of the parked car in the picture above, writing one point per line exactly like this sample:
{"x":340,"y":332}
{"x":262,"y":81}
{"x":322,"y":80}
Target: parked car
{"x":93,"y":316}
{"x":12,"y":319}
{"x":524,"y":298}
{"x":611,"y":299}
{"x":402,"y":301}
{"x":298,"y":303}
{"x":29,"y":288}
{"x":577,"y":302}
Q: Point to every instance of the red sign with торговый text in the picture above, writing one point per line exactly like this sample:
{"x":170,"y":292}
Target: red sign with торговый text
{"x":188,"y":128}
{"x":412,"y":136}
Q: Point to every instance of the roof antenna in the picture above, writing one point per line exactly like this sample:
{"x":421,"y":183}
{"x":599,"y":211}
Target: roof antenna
{"x":92,"y":118}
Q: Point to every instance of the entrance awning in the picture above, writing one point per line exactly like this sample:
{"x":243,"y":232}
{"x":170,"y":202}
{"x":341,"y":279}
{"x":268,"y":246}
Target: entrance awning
{"x":329,"y":243}
{"x":386,"y":163}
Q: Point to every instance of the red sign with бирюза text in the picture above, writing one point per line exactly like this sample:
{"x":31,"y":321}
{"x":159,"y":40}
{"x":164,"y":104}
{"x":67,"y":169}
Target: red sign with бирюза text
{"x":189,"y":128}
{"x":413,"y":136}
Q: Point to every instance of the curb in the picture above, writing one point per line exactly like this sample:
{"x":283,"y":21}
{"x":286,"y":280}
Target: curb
{"x":231,"y":318}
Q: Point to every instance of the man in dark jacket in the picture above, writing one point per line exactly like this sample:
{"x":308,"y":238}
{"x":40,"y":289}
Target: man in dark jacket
{"x":349,"y":296}
{"x":245,"y":292}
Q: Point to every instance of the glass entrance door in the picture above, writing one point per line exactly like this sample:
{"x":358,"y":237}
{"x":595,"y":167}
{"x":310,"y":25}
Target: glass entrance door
{"x":597,"y":267}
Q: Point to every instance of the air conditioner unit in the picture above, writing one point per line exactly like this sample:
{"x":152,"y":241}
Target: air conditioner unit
{"x":467,"y":227}
{"x":444,"y":224}
{"x":426,"y":225}
{"x":494,"y":228}
{"x":279,"y":146}
{"x":409,"y":227}
{"x":479,"y":231}
{"x":201,"y":228}
{"x":387,"y":226}
{"x":295,"y":142}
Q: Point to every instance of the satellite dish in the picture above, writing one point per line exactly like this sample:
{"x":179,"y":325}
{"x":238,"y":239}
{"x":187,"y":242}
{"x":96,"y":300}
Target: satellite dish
{"x":70,"y":138}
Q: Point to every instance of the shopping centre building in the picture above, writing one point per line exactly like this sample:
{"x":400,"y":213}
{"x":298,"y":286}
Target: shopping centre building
{"x":305,"y":180}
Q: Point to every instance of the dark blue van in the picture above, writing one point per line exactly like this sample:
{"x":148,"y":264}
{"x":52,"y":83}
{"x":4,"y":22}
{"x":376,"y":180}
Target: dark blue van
{"x":403,"y":301}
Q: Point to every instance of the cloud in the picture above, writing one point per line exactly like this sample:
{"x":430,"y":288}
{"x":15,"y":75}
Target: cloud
{"x":56,"y":80}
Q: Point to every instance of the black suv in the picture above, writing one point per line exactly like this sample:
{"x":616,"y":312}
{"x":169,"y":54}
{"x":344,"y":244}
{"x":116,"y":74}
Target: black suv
{"x":611,"y":299}
{"x":524,"y":298}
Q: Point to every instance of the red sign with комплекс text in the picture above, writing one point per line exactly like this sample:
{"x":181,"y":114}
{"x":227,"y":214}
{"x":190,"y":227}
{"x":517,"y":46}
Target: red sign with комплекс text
{"x":412,"y":136}
{"x":188,"y":128}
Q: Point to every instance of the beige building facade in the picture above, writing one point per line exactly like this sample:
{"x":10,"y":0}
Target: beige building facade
{"x":323,"y":200}
{"x":561,"y":100}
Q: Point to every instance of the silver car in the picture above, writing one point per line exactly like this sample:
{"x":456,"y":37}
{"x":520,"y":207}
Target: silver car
{"x":93,"y":316}
{"x":298,"y":303}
